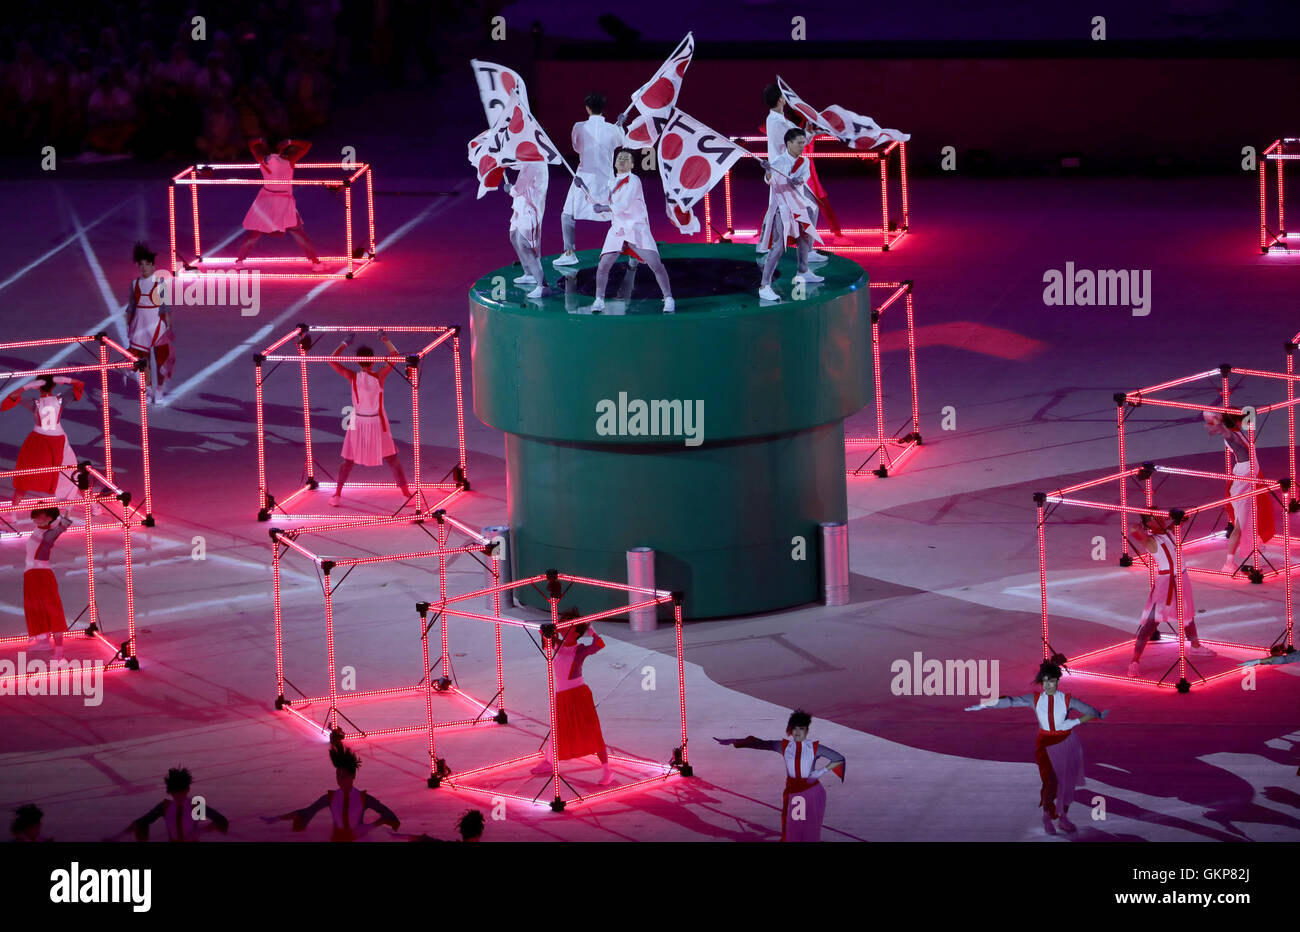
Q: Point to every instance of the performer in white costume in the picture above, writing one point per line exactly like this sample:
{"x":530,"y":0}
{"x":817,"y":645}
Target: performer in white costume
{"x":629,"y":232}
{"x":528,"y":203}
{"x":777,"y":126}
{"x":793,"y":222}
{"x":595,"y":141}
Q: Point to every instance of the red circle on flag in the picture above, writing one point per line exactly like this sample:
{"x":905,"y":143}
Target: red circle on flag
{"x":695,"y":172}
{"x":670,"y":146}
{"x":681,"y":67}
{"x":834,"y":120}
{"x":639,"y":133}
{"x":806,"y":110}
{"x":507,"y":81}
{"x":517,"y":120}
{"x":658,"y":95}
{"x":527,"y":152}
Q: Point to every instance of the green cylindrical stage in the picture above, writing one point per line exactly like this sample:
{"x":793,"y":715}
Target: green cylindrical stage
{"x":713,"y":435}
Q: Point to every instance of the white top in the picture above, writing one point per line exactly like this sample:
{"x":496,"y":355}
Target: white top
{"x":1051,"y":711}
{"x":147,"y":326}
{"x":48,"y":410}
{"x":777,"y":127}
{"x":595,"y":141}
{"x":629,"y":219}
{"x":367,"y":395}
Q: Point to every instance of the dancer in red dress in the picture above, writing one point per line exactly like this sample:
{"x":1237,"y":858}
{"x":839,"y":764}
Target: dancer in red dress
{"x":576,"y":723}
{"x":347,"y":804}
{"x":1057,"y":751}
{"x":149,"y":323}
{"x":1152,"y":534}
{"x":47,"y":444}
{"x":274,"y":210}
{"x":369,"y":440}
{"x":803,"y":804}
{"x":42,"y":605}
{"x":177,"y":812}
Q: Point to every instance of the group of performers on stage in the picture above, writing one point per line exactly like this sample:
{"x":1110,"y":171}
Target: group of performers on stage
{"x":606,"y":189}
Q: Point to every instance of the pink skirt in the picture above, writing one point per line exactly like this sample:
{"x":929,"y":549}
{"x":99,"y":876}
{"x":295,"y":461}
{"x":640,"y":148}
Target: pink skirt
{"x":366,"y":442}
{"x":809,"y":827}
{"x":41,"y":603}
{"x":577,"y":726}
{"x":272,"y":212}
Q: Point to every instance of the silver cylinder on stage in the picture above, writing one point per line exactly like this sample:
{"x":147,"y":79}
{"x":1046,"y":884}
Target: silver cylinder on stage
{"x":499,"y":535}
{"x":835,"y":563}
{"x":641,"y":573}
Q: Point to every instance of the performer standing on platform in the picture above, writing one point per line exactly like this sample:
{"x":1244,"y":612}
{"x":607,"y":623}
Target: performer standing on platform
{"x":776,"y":127}
{"x":629,"y":232}
{"x":274,"y":209}
{"x":1228,"y":426}
{"x":528,"y":205}
{"x":177,"y":812}
{"x":595,"y":141}
{"x":576,"y":724}
{"x":41,"y":603}
{"x":347,"y":804}
{"x":1152,"y":534}
{"x":47,"y":445}
{"x":148,"y":322}
{"x":1057,"y":752}
{"x":804,"y":801}
{"x":792,"y":222}
{"x":368,"y":441}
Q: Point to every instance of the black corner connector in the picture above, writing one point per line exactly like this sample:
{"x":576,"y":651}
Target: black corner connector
{"x":678,"y":596}
{"x":125,"y":499}
{"x":275,"y":533}
{"x":101,"y":336}
{"x":312,"y":483}
{"x":1177,"y":515}
{"x":439,"y":514}
{"x":132,"y":663}
{"x":553,"y":584}
{"x":1284,"y":485}
{"x":148,"y":521}
{"x":141,"y":364}
{"x":264,"y":514}
{"x":422,"y":607}
{"x":1289,"y":347}
{"x":1121,"y":399}
{"x":1040,"y":499}
{"x":327,"y":566}
{"x":412,"y":361}
{"x":303,"y":328}
{"x":875,"y":316}
{"x":1184,"y":686}
{"x":1225,"y":369}
{"x":279,"y":703}
{"x":548,"y":631}
{"x":500,"y":718}
{"x":1146,"y":471}
{"x":258,"y":359}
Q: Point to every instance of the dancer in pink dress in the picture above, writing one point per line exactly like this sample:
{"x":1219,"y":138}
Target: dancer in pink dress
{"x":274,"y":210}
{"x":47,"y":444}
{"x":1057,"y":752}
{"x":803,"y":804}
{"x":369,"y":440}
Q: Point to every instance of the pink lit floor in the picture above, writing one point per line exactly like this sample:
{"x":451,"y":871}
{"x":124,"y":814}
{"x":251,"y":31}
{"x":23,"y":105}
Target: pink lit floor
{"x":943,"y":554}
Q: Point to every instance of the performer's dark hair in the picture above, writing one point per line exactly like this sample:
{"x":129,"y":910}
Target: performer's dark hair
{"x":595,"y":101}
{"x":365,"y":351}
{"x":52,"y":512}
{"x":344,"y":758}
{"x":791,"y":133}
{"x":142,"y":252}
{"x":798,"y":719}
{"x":771,"y":94}
{"x":1232,"y":421}
{"x":568,"y":615}
{"x":1047,"y":670}
{"x":25,"y":817}
{"x":178,"y":780}
{"x":470,"y":824}
{"x":47,"y":382}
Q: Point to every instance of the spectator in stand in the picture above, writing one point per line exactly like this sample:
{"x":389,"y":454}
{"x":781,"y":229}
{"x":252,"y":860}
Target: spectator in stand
{"x":213,"y":78}
{"x":220,"y":140}
{"x":110,"y":114}
{"x":179,"y":68}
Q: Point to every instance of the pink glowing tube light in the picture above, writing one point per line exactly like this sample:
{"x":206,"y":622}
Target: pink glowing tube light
{"x":307,"y":355}
{"x":331,"y":571}
{"x":893,"y":225}
{"x":550,"y":632}
{"x":1083,"y":663}
{"x":1275,"y":239}
{"x":351,"y":263}
{"x":889,"y":449}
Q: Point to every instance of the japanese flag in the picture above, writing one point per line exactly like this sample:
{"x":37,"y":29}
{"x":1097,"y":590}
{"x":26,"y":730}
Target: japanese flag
{"x":516,"y":138}
{"x":811,"y":117}
{"x":692,"y":159}
{"x":857,"y":131}
{"x":655,"y":100}
{"x":496,"y":85}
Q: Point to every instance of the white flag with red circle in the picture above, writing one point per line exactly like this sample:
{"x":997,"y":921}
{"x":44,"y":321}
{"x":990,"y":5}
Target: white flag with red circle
{"x":804,"y":109}
{"x":496,"y":85}
{"x":692,"y":159}
{"x":515,"y":138}
{"x":857,"y":131}
{"x":654,"y":101}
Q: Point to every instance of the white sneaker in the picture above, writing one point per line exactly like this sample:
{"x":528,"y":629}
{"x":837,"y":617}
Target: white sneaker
{"x":566,"y":258}
{"x":43,"y":643}
{"x":149,"y":394}
{"x":598,"y":305}
{"x":767,"y":294}
{"x":1134,"y":669}
{"x":525,"y":279}
{"x":159,"y":398}
{"x":817,"y":258}
{"x":1200,"y":651}
{"x":334,"y":501}
{"x":808,"y":277}
{"x":540,"y":291}
{"x":670,"y":306}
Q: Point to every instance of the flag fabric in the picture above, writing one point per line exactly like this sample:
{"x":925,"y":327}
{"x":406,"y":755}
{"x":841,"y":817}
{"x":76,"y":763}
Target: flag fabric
{"x":857,"y":131}
{"x":799,"y":106}
{"x":692,"y":159}
{"x":654,"y":101}
{"x":516,"y":138}
{"x":496,"y":85}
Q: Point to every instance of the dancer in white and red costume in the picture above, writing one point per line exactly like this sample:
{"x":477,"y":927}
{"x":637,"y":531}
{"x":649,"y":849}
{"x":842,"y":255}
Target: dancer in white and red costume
{"x":577,"y":725}
{"x":176,"y":812}
{"x":347,"y":804}
{"x":26,"y":825}
{"x":803,"y":804}
{"x":1154,"y":535}
{"x":148,"y":322}
{"x":42,"y":606}
{"x":47,"y":444}
{"x":629,"y":233}
{"x":274,"y":210}
{"x":793,"y":222}
{"x":775,"y":128}
{"x":1058,"y":753}
{"x":528,"y":206}
{"x":595,"y":141}
{"x":1241,"y":542}
{"x":369,"y":440}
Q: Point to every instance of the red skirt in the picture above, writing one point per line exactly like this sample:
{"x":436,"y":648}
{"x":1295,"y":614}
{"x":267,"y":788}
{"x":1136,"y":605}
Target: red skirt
{"x":41,"y":603}
{"x":40,"y":450}
{"x":577,"y":727}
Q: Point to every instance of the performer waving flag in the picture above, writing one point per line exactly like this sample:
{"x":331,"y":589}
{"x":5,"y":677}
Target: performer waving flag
{"x":777,"y":126}
{"x":654,"y":101}
{"x":497,"y":85}
{"x":692,"y":159}
{"x":515,"y":140}
{"x":852,"y":129}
